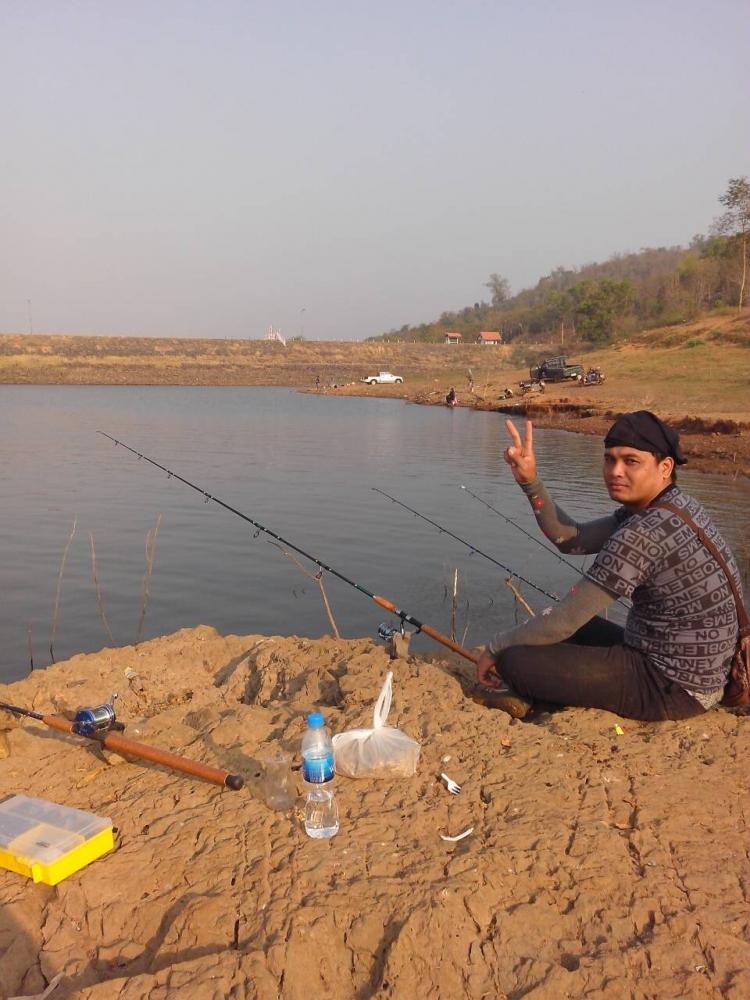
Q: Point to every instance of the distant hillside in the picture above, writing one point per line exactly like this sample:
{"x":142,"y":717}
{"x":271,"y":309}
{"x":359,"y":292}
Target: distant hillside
{"x":598,"y":302}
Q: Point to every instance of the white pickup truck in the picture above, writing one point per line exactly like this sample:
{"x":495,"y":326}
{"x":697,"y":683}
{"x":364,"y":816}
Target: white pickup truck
{"x":381,"y":378}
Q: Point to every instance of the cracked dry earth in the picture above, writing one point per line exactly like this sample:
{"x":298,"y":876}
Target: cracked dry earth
{"x":601,"y":865}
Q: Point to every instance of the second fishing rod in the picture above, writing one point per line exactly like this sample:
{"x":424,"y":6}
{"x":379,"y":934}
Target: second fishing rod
{"x":472,"y":548}
{"x":383,"y":602}
{"x":553,"y":552}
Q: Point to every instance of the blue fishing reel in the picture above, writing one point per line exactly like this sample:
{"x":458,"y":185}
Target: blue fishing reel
{"x":386,"y":631}
{"x":95,"y":723}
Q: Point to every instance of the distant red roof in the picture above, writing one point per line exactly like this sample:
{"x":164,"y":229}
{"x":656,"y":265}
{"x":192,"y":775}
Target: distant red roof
{"x":490,"y":336}
{"x":454,"y":333}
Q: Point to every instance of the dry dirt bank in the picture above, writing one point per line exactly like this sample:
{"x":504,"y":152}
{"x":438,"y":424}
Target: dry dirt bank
{"x":601,"y":865}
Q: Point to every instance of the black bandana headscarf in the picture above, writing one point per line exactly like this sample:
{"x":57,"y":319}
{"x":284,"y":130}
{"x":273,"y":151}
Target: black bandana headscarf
{"x":644,"y":431}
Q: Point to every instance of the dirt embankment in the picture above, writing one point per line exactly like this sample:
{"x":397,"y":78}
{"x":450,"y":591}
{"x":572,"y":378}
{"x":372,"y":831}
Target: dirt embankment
{"x":601,"y":863}
{"x":717,"y":446}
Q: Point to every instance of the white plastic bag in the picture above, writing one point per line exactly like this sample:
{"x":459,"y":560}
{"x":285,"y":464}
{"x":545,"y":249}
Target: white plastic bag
{"x":380,"y":752}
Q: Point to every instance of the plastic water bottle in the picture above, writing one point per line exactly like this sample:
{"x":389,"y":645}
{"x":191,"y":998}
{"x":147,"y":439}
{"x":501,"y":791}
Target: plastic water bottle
{"x":321,"y":811}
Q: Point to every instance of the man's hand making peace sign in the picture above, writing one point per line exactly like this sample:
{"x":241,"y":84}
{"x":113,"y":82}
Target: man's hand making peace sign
{"x":520,"y":454}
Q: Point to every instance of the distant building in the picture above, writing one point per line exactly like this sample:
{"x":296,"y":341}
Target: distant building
{"x":454,"y":338}
{"x":489,"y":337}
{"x":277,"y":335}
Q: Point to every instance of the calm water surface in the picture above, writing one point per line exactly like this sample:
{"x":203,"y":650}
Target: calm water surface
{"x":303,"y":465}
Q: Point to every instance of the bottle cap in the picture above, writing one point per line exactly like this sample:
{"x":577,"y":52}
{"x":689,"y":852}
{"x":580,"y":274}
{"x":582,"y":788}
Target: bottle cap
{"x":315,"y":720}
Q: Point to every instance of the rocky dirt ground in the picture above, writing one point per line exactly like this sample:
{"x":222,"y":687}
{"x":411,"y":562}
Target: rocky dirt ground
{"x":601,"y":865}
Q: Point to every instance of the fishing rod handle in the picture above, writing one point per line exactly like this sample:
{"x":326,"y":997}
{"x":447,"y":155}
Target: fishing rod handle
{"x":427,"y":629}
{"x":122,"y":745}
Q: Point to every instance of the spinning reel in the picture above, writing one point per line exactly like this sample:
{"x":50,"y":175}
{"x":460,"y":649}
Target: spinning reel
{"x":386,"y":631}
{"x":97,"y":722}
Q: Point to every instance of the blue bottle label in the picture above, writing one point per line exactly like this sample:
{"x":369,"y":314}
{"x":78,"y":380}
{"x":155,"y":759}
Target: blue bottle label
{"x":318,"y":769}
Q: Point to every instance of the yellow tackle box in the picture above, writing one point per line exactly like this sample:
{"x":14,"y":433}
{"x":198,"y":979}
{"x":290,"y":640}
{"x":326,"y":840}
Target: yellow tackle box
{"x":48,"y":842}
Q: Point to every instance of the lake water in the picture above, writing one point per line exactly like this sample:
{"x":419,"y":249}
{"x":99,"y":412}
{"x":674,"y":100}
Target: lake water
{"x":302,"y":465}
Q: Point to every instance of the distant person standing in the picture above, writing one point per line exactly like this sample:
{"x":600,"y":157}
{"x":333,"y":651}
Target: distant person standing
{"x":470,"y":379}
{"x":317,"y":381}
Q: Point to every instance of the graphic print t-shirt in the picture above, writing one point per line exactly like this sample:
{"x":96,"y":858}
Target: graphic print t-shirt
{"x":684,"y":616}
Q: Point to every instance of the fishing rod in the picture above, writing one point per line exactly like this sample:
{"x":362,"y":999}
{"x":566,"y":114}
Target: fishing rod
{"x":383,"y":602}
{"x":472,"y":548}
{"x":98,"y":723}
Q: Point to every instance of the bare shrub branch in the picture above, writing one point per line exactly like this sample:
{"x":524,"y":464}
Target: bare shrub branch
{"x":146,"y":589}
{"x":99,"y":601}
{"x":318,"y":578}
{"x":453,"y":604}
{"x":56,"y":612}
{"x":518,"y":596}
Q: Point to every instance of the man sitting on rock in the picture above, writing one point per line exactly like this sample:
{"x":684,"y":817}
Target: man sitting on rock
{"x":672,"y":659}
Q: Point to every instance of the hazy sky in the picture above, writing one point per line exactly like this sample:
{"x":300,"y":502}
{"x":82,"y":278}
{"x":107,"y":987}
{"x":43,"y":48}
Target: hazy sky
{"x":185,"y":168}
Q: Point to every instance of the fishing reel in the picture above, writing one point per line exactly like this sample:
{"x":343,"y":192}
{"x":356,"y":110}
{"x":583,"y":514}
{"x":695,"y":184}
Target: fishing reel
{"x":386,"y":631}
{"x":95,"y":723}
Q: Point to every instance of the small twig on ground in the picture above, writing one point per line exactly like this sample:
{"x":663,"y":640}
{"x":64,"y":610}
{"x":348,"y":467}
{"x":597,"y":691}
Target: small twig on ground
{"x":150,"y":555}
{"x":57,"y":594}
{"x":318,"y":578}
{"x":99,"y":601}
{"x":509,"y":583}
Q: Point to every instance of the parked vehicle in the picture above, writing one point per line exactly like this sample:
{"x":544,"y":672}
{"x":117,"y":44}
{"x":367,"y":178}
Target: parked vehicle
{"x":594,"y":376}
{"x":382,"y":378}
{"x":555,"y":370}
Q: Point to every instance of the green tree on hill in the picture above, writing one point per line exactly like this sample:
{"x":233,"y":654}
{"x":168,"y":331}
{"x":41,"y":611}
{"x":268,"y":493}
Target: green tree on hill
{"x":596,"y":305}
{"x":734,"y":224}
